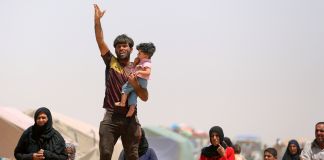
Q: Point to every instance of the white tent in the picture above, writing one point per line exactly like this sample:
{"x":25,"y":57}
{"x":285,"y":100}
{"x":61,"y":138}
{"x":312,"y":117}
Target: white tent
{"x":12,"y":124}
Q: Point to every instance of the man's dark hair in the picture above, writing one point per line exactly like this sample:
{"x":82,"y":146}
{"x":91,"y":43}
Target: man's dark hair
{"x":319,"y":123}
{"x":147,"y":48}
{"x":272,"y":151}
{"x":124,"y":39}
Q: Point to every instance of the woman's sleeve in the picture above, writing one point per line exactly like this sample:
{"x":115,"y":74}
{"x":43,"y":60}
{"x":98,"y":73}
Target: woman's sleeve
{"x":202,"y":157}
{"x":20,"y":148}
{"x":55,"y":156}
{"x":59,"y":148}
{"x":230,"y":153}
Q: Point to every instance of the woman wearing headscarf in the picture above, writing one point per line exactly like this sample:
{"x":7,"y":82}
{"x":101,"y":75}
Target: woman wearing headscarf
{"x":41,"y":141}
{"x":218,"y":149}
{"x":144,"y":152}
{"x":293,"y":151}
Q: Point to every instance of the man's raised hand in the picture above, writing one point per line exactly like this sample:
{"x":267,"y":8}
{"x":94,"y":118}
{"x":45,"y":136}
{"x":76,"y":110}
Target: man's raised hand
{"x":98,"y":13}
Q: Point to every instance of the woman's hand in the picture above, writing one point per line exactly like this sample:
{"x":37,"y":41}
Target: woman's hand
{"x":221,"y":151}
{"x":38,"y":156}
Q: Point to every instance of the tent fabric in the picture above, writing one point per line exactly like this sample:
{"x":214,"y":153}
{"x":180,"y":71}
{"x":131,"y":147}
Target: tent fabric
{"x":12,"y":124}
{"x":169,"y":145}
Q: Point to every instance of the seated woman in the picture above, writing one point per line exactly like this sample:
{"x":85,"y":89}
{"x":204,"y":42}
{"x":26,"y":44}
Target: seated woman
{"x":218,"y":149}
{"x":41,"y":141}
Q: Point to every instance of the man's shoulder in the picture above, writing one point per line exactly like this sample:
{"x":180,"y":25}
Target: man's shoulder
{"x":108,"y":57}
{"x":308,"y":145}
{"x":115,"y":65}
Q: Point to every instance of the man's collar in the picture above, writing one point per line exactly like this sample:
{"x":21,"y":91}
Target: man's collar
{"x":315,"y":144}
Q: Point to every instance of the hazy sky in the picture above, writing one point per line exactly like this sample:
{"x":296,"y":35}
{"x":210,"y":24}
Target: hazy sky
{"x":252,"y":66}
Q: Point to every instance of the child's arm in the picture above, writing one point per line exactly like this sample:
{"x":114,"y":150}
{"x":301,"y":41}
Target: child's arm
{"x":145,"y":72}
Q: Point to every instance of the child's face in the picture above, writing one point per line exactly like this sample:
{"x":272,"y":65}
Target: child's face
{"x":142,"y":55}
{"x":68,"y":150}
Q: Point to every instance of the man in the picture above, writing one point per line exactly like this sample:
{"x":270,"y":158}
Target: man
{"x":115,"y":124}
{"x":315,"y":150}
{"x":270,"y":154}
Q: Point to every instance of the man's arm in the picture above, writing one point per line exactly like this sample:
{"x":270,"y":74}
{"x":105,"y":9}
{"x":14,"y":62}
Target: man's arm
{"x":141,"y":92}
{"x":305,"y":153}
{"x":98,"y":30}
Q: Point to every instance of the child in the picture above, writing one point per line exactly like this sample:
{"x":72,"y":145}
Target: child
{"x":142,"y":71}
{"x":70,"y":150}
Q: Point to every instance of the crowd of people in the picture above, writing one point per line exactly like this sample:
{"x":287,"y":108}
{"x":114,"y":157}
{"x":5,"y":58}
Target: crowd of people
{"x":221,"y":148}
{"x":42,"y":141}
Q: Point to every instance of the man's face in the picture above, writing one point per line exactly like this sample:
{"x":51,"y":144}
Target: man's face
{"x":41,"y":119}
{"x":214,"y":139}
{"x":123,"y":51}
{"x":319,"y":133}
{"x":268,"y":156}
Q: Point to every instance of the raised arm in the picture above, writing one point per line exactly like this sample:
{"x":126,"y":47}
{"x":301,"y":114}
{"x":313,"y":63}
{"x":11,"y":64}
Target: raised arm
{"x":98,"y":30}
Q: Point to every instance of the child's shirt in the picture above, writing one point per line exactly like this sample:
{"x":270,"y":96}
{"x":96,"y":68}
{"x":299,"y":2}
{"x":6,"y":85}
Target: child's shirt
{"x":145,"y":63}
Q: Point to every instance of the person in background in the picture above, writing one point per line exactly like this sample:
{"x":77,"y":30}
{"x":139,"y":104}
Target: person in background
{"x":315,"y":150}
{"x":293,"y":151}
{"x":270,"y":154}
{"x":218,"y":149}
{"x":41,"y":140}
{"x":237,"y":152}
{"x":144,"y":151}
{"x":280,"y":148}
{"x":230,"y":147}
{"x":70,"y":150}
{"x":228,"y":142}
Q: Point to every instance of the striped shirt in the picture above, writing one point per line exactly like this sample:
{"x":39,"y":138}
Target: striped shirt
{"x":115,"y":78}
